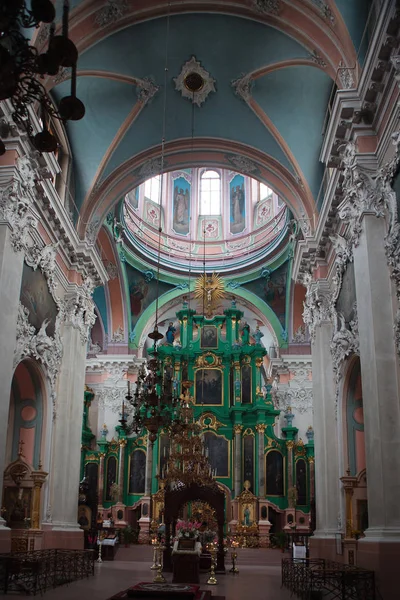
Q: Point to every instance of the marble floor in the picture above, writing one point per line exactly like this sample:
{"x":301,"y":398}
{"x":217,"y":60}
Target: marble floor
{"x":259,"y":577}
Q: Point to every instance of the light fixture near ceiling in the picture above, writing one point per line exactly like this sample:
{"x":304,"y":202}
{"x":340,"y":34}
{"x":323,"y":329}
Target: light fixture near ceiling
{"x":194,"y":82}
{"x":21,"y":67}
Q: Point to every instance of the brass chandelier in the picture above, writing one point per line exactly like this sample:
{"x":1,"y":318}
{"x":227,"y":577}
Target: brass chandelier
{"x":187,"y":462}
{"x":22,"y":67}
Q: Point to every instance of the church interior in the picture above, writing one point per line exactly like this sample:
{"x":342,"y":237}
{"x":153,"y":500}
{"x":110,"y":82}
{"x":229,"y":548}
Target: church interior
{"x":200,"y":296}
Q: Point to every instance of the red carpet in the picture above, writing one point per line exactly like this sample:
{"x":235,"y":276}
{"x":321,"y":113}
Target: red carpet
{"x":163,"y":591}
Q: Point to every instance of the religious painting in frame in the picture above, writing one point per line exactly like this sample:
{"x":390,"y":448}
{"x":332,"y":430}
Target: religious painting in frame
{"x":209,"y":337}
{"x":208,"y":386}
{"x":274,"y":473}
{"x":237,"y":205}
{"x":111,"y":476}
{"x":181,"y":206}
{"x":137,"y":468}
{"x":218,"y":453}
{"x":301,"y":482}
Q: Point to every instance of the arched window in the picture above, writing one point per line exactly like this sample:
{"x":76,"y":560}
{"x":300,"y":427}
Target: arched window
{"x":152,"y":188}
{"x":263,"y":191}
{"x":210,"y":193}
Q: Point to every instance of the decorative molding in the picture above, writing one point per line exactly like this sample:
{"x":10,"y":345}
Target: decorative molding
{"x":243,"y":86}
{"x":111,"y":398}
{"x":16,"y":201}
{"x":318,"y":304}
{"x":111,"y":12}
{"x":194,"y":66}
{"x":146,"y":89}
{"x":345,"y":342}
{"x":345,"y":76}
{"x":118,"y":336}
{"x":242,"y":164}
{"x":45,"y":259}
{"x":268,"y":7}
{"x":112,"y":270}
{"x":317,"y":59}
{"x":324,"y":9}
{"x":151,"y":167}
{"x":46,"y":349}
{"x":300,"y":335}
{"x":305,"y":224}
{"x":77,"y":308}
{"x":92,"y":229}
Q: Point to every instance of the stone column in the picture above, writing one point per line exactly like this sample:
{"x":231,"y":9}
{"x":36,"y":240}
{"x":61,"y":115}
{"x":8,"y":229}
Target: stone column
{"x":78,"y":318}
{"x":238,"y":460}
{"x":11,"y":264}
{"x":326,"y":443}
{"x":149,"y":468}
{"x":261,"y":470}
{"x":380,"y":380}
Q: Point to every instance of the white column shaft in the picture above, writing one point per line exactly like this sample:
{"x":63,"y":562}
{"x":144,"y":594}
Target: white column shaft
{"x":380,"y":378}
{"x":325,"y":425}
{"x":67,"y":447}
{"x":11,"y":264}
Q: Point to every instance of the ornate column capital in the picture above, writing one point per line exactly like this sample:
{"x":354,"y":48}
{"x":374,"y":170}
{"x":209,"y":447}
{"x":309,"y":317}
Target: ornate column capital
{"x":318,"y":304}
{"x":16,"y":200}
{"x":238,"y":429}
{"x":366,"y":192}
{"x":260,"y":428}
{"x":77,"y":308}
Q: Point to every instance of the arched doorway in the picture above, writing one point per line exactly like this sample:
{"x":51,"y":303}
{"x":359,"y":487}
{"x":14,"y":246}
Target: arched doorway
{"x":21,"y":503}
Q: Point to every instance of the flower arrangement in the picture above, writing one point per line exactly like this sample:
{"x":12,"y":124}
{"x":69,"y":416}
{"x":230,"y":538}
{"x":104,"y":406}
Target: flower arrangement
{"x":187,"y":529}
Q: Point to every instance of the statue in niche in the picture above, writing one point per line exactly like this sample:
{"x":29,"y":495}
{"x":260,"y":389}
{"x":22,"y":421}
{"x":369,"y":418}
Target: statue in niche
{"x":246,"y":514}
{"x":170,"y":335}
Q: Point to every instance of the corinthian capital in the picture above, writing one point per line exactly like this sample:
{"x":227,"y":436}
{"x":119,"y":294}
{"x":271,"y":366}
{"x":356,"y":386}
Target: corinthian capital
{"x":16,"y":200}
{"x":318,"y":304}
{"x":78,"y":309}
{"x":366,"y":192}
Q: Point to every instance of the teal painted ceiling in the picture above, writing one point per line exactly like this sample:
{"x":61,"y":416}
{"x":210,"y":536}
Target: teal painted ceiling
{"x":294,"y":99}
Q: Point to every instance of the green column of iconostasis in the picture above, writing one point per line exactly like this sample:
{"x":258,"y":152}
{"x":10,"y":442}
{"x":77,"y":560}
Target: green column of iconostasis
{"x":225,"y":364}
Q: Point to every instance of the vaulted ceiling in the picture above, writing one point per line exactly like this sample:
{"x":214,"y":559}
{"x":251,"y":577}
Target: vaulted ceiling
{"x":293,"y":52}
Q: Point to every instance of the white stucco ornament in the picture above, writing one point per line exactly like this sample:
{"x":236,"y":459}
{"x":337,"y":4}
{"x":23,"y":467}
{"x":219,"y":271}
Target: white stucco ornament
{"x":194,"y":82}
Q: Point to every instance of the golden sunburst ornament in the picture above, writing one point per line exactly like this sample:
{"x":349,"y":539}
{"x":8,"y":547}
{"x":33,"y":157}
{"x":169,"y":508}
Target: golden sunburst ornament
{"x":209,"y":289}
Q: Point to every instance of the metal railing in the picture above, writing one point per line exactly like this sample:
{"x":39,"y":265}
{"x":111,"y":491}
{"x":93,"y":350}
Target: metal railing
{"x":312,"y":579}
{"x":40,"y":570}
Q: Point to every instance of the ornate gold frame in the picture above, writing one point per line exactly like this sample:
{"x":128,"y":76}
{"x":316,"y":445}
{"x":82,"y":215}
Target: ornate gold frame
{"x":229,"y":453}
{"x":209,"y":367}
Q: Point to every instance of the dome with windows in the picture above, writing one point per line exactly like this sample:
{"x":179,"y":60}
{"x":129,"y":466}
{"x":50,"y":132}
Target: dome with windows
{"x":208,"y":215}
